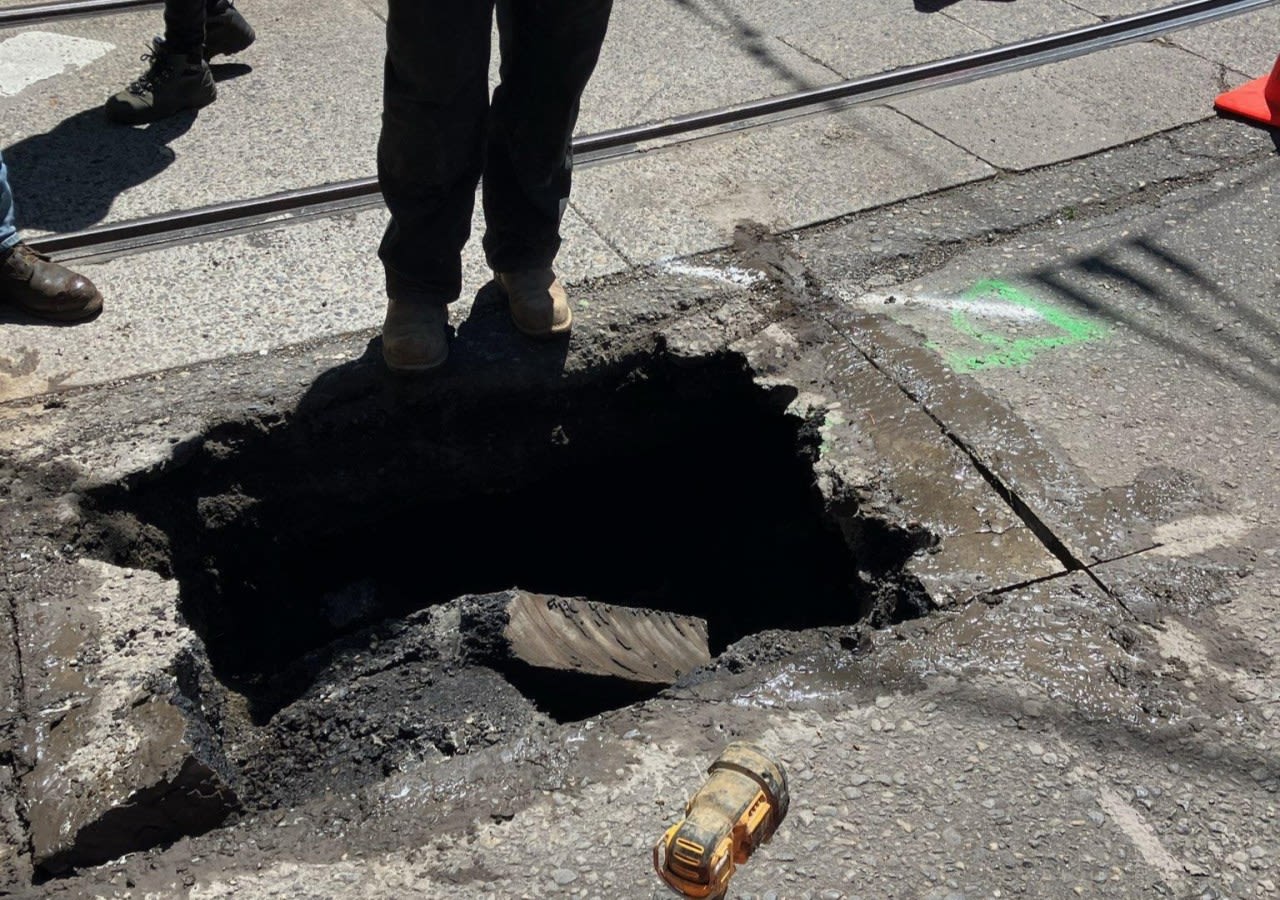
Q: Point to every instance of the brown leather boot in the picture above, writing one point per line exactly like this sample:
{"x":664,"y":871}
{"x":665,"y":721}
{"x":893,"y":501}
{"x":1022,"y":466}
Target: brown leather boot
{"x":414,"y":335}
{"x":44,"y":288}
{"x":539,"y":304}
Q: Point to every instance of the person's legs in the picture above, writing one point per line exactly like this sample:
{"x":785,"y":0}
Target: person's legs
{"x":430,"y":155}
{"x":184,"y":25}
{"x":549,"y":51}
{"x":431,"y":150}
{"x":31,"y":280}
{"x":8,"y":225}
{"x":225,"y":29}
{"x":177,"y":76}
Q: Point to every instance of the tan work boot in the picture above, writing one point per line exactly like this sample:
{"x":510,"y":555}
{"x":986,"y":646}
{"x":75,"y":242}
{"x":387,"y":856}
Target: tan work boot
{"x":414,"y":335}
{"x":44,"y":288}
{"x":539,"y":304}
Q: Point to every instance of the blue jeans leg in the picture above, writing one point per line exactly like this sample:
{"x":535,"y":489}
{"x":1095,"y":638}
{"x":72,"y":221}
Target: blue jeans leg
{"x":8,"y":230}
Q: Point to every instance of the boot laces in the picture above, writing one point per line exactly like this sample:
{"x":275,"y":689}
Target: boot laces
{"x":159,"y":70}
{"x":21,"y":259}
{"x":28,"y":252}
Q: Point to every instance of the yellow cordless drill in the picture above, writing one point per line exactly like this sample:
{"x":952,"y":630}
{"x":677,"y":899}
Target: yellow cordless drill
{"x":738,"y":809}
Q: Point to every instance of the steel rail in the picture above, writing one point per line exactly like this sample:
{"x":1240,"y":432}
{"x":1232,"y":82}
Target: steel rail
{"x":620,"y":142}
{"x":67,"y":9}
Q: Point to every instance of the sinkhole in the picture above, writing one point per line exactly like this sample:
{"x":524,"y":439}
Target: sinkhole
{"x":665,"y":484}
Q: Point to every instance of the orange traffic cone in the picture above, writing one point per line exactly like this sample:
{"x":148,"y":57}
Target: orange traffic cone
{"x":1258,"y":100}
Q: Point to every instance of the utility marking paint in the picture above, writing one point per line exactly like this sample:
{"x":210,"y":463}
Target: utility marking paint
{"x":734,"y":275}
{"x":36,"y":55}
{"x":986,"y":309}
{"x":1008,"y":352}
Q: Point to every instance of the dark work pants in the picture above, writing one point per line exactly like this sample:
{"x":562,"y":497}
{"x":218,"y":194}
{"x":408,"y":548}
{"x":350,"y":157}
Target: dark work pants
{"x":184,"y":23}
{"x":440,"y":134}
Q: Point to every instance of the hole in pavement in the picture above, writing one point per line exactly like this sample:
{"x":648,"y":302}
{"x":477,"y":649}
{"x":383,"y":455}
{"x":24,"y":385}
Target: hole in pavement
{"x":669,"y":485}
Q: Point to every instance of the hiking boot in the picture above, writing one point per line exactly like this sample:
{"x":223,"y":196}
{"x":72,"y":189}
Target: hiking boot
{"x":44,"y":288}
{"x":226,"y":32}
{"x":538,"y":302}
{"x":414,"y":335}
{"x":173,"y":82}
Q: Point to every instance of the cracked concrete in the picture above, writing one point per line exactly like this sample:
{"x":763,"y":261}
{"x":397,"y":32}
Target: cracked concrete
{"x":1120,"y":689}
{"x":1052,"y":673}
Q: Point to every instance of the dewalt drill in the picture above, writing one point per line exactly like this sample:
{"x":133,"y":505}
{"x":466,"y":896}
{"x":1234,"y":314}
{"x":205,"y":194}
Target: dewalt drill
{"x":738,"y":809}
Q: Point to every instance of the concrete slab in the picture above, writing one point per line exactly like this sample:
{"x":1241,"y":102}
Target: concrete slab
{"x":1017,"y":121}
{"x":872,"y":425}
{"x":1144,"y":330}
{"x":248,"y":293}
{"x":1028,"y":119}
{"x":1006,"y":23}
{"x":33,"y":56}
{"x":691,"y":197}
{"x":1111,"y":9}
{"x":282,"y":120}
{"x":1247,"y":45}
{"x":883,"y":38}
{"x":1145,"y":87}
{"x":662,"y":59}
{"x":122,"y":753}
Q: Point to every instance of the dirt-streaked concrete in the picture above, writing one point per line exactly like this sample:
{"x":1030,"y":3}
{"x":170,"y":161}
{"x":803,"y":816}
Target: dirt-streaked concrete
{"x":1057,"y":677}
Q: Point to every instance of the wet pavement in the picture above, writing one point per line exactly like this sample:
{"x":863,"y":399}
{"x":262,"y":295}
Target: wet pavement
{"x":1015,"y":344}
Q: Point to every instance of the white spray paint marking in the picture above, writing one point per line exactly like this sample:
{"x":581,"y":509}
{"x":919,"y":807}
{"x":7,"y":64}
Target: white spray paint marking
{"x":36,"y":55}
{"x":984,"y":309}
{"x":1198,"y":534}
{"x":727,"y":275}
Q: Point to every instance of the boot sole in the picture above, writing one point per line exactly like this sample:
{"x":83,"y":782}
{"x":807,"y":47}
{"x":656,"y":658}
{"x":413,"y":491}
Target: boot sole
{"x":555,"y":332}
{"x":128,"y":115}
{"x":229,"y":49}
{"x":89,"y":310}
{"x":414,"y":370}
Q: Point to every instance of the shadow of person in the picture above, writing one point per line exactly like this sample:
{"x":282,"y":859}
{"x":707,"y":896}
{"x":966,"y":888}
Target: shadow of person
{"x":487,"y":354}
{"x":932,"y":6}
{"x":487,"y":338}
{"x":66,"y":179}
{"x":227,"y":71}
{"x":12,"y":314}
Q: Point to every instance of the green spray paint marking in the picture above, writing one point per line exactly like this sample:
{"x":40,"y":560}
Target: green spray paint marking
{"x":1007,"y":352}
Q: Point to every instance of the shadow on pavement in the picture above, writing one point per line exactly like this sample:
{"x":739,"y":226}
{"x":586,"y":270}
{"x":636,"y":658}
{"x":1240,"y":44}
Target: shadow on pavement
{"x":12,"y":314}
{"x":1168,"y":298}
{"x":1188,"y":313}
{"x":66,"y":179}
{"x":486,"y":353}
{"x":933,"y":6}
{"x":750,"y":39}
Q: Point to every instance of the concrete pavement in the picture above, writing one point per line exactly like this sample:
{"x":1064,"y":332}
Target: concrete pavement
{"x":1024,"y":341}
{"x":302,"y":106}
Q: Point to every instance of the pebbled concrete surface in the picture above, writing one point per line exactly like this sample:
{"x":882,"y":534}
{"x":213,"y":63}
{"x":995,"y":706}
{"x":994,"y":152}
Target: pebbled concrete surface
{"x":1110,"y":730}
{"x":282,"y":122}
{"x":1086,"y":707}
